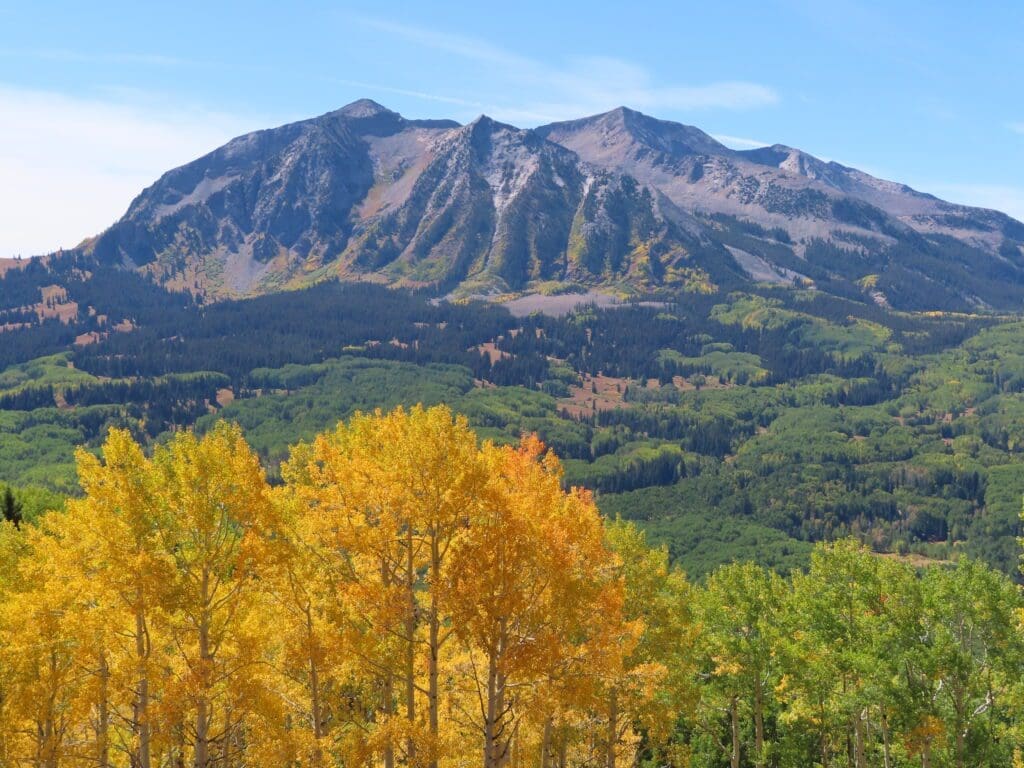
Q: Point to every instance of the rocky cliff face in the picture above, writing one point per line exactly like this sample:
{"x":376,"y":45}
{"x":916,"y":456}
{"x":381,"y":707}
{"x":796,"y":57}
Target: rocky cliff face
{"x":616,"y":199}
{"x":365,"y":194}
{"x":773,"y":186}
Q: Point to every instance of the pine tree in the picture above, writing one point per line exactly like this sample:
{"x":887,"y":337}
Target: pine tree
{"x":11,"y":507}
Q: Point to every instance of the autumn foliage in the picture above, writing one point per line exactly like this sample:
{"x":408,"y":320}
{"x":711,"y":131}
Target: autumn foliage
{"x":406,"y":597}
{"x":410,"y":597}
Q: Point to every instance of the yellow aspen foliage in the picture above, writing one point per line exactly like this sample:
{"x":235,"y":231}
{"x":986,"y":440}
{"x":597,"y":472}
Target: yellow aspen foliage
{"x":116,"y":533}
{"x":45,"y":707}
{"x":656,"y":682}
{"x":531,"y":589}
{"x":213,"y":506}
{"x":388,"y":494}
{"x":408,"y":597}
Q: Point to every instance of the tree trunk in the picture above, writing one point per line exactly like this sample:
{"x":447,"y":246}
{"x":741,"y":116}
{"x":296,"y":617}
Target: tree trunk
{"x":201,"y":753}
{"x":314,"y":689}
{"x":103,"y":716}
{"x":388,"y":686}
{"x":410,"y":649}
{"x":140,"y":708}
{"x":759,"y":722}
{"x":734,"y":717}
{"x":545,"y":744}
{"x":434,"y":641}
{"x":389,"y":711}
{"x":225,"y":752}
{"x":858,"y":741}
{"x":490,"y":720}
{"x":49,"y":730}
{"x":961,"y":720}
{"x":613,"y":728}
{"x":496,"y":732}
{"x":886,"y":755}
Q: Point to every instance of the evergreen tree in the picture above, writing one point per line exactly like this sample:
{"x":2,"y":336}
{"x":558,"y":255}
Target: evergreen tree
{"x":11,"y":507}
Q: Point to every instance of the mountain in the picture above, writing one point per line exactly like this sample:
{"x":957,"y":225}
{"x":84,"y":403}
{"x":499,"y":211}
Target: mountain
{"x":774,"y":186}
{"x":364,"y":193}
{"x":618,"y":200}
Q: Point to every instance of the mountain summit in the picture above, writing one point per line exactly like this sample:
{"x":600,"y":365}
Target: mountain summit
{"x":618,"y":199}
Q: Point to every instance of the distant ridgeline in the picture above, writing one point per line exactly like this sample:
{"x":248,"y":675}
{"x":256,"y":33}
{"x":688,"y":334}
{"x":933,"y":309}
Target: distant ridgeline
{"x":741,"y":425}
{"x":620,"y":200}
{"x":408,"y":595}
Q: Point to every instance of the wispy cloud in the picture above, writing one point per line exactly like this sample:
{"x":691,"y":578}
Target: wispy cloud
{"x":72,"y":165}
{"x":377,"y":87}
{"x":738,"y":142}
{"x":465,"y":47}
{"x":1016,"y":128}
{"x":576,"y":86}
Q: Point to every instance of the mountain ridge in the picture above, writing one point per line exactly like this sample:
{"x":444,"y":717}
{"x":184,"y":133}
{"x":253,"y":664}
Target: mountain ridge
{"x":619,"y":200}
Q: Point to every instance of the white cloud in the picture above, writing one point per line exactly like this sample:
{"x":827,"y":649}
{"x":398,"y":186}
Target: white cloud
{"x":70,"y":166}
{"x":738,"y":142}
{"x":579,"y":86}
{"x":1016,"y":127}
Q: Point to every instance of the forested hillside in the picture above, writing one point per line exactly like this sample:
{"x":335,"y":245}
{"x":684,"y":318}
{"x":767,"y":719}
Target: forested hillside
{"x":747,"y":424}
{"x":408,"y":596}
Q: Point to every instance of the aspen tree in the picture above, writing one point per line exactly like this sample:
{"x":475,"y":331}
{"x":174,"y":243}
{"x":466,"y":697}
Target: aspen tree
{"x":739,"y":609}
{"x":212,"y":500}
{"x":527,"y":584}
{"x":656,"y":681}
{"x":117,"y":528}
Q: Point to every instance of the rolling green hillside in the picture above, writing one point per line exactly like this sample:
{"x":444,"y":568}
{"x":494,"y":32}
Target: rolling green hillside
{"x":742,"y":425}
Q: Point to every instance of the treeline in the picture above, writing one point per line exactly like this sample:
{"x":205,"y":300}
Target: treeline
{"x":409,"y":597}
{"x":302,"y":327}
{"x":196,"y":386}
{"x":28,"y":398}
{"x":193,"y":387}
{"x":105,"y":294}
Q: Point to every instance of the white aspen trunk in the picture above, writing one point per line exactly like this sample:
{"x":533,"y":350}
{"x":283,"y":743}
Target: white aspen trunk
{"x":140,"y":709}
{"x":410,"y":649}
{"x":613,"y":728}
{"x":434,"y":641}
{"x":201,"y":752}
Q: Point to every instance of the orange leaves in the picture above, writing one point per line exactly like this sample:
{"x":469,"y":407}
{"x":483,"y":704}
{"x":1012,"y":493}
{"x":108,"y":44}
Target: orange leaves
{"x":921,"y":738}
{"x":533,"y":594}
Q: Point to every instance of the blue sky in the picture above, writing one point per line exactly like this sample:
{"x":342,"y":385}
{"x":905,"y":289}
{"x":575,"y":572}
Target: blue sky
{"x":97,"y":99}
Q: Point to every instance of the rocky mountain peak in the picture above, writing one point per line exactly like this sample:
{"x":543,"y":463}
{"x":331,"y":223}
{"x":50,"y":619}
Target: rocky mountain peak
{"x":615,"y":137}
{"x":364,"y":108}
{"x":617,"y":198}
